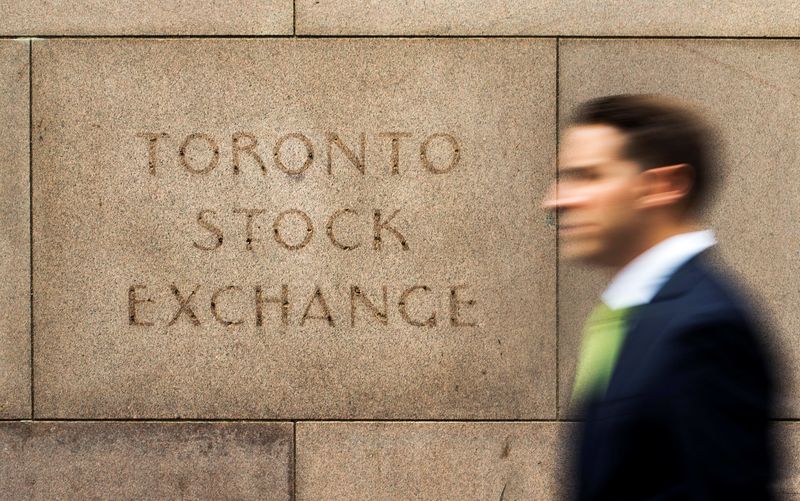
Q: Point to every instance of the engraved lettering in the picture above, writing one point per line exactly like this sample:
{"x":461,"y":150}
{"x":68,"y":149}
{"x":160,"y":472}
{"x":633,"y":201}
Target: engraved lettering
{"x":214,"y":230}
{"x":200,"y":153}
{"x":326,"y":313}
{"x":379,"y":226}
{"x":395,"y":158}
{"x":212,"y":145}
{"x":375,"y":307}
{"x":403,"y":304}
{"x":184,"y":306}
{"x":276,"y":153}
{"x":248,"y":147}
{"x":329,"y":228}
{"x":277,"y":232}
{"x":152,"y":148}
{"x":215,"y":302}
{"x":455,"y":303}
{"x":133,"y":300}
{"x":282,"y":301}
{"x":382,"y":316}
{"x":249,"y":214}
{"x":455,"y":154}
{"x":357,"y":161}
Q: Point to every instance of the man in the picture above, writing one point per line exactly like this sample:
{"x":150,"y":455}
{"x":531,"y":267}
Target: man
{"x":672,"y":378}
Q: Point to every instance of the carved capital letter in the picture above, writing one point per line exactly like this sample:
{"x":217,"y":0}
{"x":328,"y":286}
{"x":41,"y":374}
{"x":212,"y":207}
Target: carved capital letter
{"x":455,"y":154}
{"x":277,"y":232}
{"x":326,"y":313}
{"x":282,"y":300}
{"x":379,"y":226}
{"x":184,"y":306}
{"x":395,"y":158}
{"x":152,"y":148}
{"x":215,"y":302}
{"x":403,"y":305}
{"x":276,"y":153}
{"x":329,"y":227}
{"x":213,"y":146}
{"x":250,"y":214}
{"x":250,"y":148}
{"x":454,"y":307}
{"x":133,"y":300}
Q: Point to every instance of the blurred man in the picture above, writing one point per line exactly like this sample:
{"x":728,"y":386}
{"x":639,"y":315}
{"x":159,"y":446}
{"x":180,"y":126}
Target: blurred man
{"x":672,"y":380}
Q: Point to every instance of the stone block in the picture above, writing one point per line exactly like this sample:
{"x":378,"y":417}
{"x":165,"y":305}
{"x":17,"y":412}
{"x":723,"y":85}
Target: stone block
{"x":424,"y":460}
{"x":748,"y":90}
{"x":430,"y":461}
{"x":788,"y":481}
{"x":117,"y":460}
{"x":173,"y":17}
{"x":15,"y":314}
{"x":294,"y":228}
{"x":549,"y":17}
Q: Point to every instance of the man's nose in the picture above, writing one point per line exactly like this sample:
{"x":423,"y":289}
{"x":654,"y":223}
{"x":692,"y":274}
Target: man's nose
{"x":561,"y":197}
{"x":550,"y":201}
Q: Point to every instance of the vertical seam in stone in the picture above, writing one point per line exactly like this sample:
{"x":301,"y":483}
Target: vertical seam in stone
{"x":293,"y":491}
{"x":30,"y":205}
{"x":558,"y":311}
{"x":294,"y":17}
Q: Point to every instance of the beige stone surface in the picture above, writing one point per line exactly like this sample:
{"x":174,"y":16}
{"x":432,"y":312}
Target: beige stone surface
{"x":788,"y":482}
{"x":116,"y":460}
{"x":748,"y":89}
{"x":473,"y":153}
{"x":550,"y":17}
{"x":151,"y":17}
{"x":15,"y":341}
{"x":430,"y":461}
{"x":458,"y":460}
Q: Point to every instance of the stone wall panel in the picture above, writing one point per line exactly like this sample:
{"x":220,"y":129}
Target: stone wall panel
{"x":173,"y":17}
{"x":115,"y":460}
{"x":183,"y":186}
{"x":15,"y":341}
{"x":549,"y":18}
{"x":430,"y":461}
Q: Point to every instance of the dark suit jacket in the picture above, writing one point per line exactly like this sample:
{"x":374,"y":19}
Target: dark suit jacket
{"x":686,"y":412}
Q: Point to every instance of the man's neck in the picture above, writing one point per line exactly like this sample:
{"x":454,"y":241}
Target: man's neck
{"x":655,"y":236}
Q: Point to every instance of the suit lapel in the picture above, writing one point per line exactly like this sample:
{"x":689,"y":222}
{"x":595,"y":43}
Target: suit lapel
{"x":647,"y":321}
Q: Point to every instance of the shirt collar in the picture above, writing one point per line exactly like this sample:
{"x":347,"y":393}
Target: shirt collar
{"x":639,"y":281}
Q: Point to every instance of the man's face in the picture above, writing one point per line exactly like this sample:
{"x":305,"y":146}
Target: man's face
{"x":596,"y":195}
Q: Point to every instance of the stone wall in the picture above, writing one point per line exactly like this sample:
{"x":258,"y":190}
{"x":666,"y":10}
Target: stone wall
{"x":294,"y":250}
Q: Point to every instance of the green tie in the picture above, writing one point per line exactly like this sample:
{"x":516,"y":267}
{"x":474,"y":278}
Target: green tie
{"x":602,"y":340}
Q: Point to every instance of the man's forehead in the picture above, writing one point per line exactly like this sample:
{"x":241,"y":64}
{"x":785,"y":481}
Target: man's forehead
{"x":590,"y":144}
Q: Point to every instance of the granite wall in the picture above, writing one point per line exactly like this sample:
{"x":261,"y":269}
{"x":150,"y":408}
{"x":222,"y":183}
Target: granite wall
{"x":294,"y":250}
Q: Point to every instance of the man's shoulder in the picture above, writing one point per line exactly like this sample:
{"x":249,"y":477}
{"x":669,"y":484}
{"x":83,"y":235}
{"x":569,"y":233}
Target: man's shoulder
{"x":717,"y":323}
{"x":717,"y":297}
{"x":717,"y":291}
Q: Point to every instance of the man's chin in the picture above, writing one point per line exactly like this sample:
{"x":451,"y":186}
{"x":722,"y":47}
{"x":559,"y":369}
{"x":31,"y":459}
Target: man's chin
{"x":578,"y":254}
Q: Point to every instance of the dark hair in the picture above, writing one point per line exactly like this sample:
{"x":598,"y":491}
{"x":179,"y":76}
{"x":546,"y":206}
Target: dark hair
{"x":660,"y":131}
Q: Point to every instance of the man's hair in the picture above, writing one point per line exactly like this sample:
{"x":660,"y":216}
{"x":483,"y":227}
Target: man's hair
{"x":660,"y":131}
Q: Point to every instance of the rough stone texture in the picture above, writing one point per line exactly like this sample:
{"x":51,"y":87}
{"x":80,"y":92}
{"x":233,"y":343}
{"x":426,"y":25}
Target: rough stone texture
{"x":465,"y":461}
{"x":15,"y":341}
{"x":749,"y":89}
{"x":549,"y":17}
{"x":430,"y":461}
{"x":151,"y":17}
{"x":104,"y":223}
{"x":96,"y":460}
{"x":788,"y":485}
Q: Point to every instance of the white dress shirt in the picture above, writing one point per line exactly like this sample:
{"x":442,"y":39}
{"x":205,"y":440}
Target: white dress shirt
{"x":639,"y":281}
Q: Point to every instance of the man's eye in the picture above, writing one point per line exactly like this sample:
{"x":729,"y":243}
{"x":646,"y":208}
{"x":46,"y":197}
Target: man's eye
{"x":581,"y":175}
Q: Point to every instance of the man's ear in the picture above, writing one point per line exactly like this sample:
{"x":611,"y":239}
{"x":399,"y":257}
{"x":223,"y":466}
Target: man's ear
{"x":664,"y":186}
